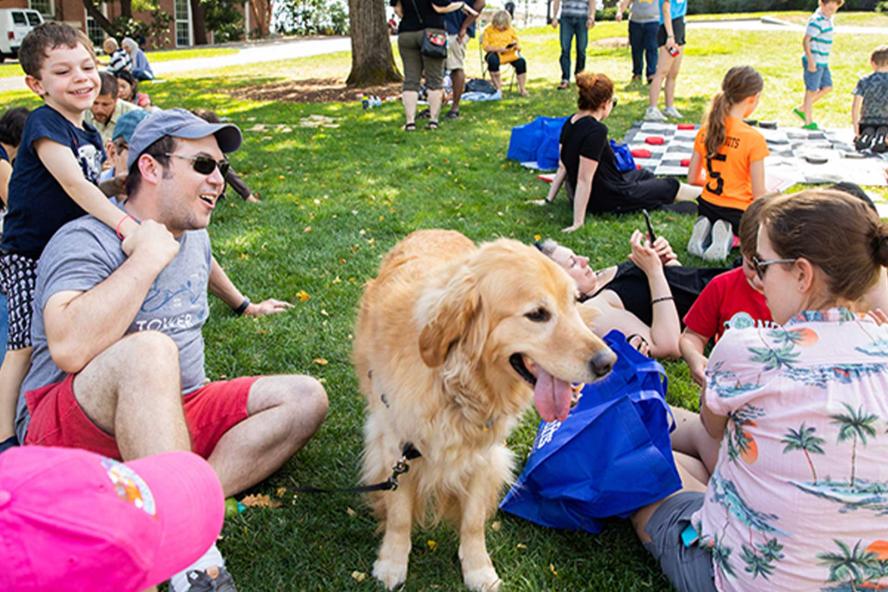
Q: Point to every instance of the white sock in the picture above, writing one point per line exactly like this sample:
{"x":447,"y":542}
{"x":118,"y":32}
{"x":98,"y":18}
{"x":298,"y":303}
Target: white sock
{"x":212,"y":557}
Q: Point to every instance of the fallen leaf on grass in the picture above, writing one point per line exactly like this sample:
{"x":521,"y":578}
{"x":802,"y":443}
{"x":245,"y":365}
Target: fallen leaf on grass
{"x":260,"y":500}
{"x":496,"y":526}
{"x":552,"y":569}
{"x":303,"y":296}
{"x":521,"y":547}
{"x":280,"y":491}
{"x":320,"y":361}
{"x":351,"y":512}
{"x":432,"y":544}
{"x":359,"y":576}
{"x":537,"y":237}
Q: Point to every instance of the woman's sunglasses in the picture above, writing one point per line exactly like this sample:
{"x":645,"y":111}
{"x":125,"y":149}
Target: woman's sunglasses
{"x":204,"y":164}
{"x":761,"y":266}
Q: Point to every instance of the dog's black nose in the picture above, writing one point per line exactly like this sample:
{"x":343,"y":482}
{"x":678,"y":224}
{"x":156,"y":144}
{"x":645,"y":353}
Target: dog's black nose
{"x":602,"y":362}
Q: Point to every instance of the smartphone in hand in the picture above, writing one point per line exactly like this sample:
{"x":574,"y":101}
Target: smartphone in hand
{"x":650,"y":227}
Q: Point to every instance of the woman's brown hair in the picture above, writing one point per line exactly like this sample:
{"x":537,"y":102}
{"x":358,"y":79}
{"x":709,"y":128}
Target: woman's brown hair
{"x":595,"y":90}
{"x":741,"y":82}
{"x":838,"y":233}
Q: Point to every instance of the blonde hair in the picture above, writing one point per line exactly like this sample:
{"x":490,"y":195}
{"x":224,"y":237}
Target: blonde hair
{"x":501,"y":19}
{"x":740,"y":83}
{"x":109,"y":45}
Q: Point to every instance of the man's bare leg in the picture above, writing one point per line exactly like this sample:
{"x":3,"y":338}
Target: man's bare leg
{"x":689,"y":483}
{"x":284,"y":412}
{"x":131,"y":390}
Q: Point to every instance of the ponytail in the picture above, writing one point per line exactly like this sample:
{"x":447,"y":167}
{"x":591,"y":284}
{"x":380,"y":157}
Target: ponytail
{"x":740,"y":83}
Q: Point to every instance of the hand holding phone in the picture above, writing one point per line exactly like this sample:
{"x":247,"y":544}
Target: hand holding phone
{"x":650,"y":227}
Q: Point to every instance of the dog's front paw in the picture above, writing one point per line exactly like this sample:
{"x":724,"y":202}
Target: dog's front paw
{"x":390,"y":573}
{"x":482,"y":580}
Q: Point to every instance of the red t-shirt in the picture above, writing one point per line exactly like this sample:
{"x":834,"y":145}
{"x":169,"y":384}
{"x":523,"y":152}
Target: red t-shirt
{"x":726,"y":295}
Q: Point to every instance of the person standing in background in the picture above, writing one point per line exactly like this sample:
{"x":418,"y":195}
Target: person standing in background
{"x":576,"y":18}
{"x":644,"y":21}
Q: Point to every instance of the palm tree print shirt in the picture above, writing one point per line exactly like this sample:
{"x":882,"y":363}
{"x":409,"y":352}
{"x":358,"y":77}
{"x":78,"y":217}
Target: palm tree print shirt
{"x":799,"y":496}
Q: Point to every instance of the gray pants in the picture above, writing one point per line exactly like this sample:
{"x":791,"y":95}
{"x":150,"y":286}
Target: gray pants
{"x":417,"y":65}
{"x":689,"y":569}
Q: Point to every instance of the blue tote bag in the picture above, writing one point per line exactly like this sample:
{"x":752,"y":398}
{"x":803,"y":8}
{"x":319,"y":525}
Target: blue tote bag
{"x":623,"y":157}
{"x":611,"y":456}
{"x":532,"y":140}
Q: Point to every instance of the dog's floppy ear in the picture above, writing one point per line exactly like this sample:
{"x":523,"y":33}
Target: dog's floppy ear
{"x":451,"y":313}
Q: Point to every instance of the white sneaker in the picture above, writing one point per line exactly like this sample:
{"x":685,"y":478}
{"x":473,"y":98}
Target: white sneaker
{"x":672,"y":112}
{"x":699,"y":236}
{"x":722,"y":240}
{"x":653,"y":114}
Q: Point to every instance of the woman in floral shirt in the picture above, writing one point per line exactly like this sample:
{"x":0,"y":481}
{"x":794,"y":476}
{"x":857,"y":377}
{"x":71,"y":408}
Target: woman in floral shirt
{"x":798,"y":499}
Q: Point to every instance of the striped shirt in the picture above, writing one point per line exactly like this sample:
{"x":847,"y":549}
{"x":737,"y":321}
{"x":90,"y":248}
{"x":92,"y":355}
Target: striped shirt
{"x":576,"y":8}
{"x":820,"y":30}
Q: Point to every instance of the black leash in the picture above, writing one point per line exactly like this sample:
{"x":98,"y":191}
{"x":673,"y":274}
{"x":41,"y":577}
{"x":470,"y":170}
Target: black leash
{"x":408,"y":453}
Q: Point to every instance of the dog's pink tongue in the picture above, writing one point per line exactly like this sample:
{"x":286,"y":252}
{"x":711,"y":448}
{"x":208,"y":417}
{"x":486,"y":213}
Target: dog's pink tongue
{"x":551,"y":396}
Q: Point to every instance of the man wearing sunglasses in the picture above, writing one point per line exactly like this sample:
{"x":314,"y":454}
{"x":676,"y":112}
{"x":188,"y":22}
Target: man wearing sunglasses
{"x":118,"y":362}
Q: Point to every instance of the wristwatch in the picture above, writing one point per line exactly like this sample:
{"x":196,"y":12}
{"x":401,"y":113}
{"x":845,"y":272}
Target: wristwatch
{"x":240,"y":310}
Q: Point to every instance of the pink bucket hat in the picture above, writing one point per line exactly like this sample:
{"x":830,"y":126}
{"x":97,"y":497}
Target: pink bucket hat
{"x":74,"y":520}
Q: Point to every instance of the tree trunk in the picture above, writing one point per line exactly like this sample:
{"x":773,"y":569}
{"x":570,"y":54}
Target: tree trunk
{"x":198,"y":23}
{"x":101,"y":20}
{"x":260,"y":10}
{"x":372,"y":58}
{"x":126,"y":8}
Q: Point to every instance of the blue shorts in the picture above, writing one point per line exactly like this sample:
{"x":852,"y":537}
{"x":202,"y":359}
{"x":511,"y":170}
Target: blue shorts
{"x":818,"y":80}
{"x":688,"y":568}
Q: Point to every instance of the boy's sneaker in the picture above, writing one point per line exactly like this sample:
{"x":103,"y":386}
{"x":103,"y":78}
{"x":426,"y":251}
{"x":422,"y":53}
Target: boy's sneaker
{"x":672,"y":112}
{"x":722,"y":241}
{"x":202,"y":581}
{"x":865,"y":140}
{"x":880,"y":140}
{"x":811,"y":126}
{"x":653,"y":114}
{"x":699,"y":236}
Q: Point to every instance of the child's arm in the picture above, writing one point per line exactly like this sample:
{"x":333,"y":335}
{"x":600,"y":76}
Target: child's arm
{"x":622,"y":6}
{"x":5,"y":174}
{"x":856,"y":108}
{"x":757,"y":175}
{"x":692,"y":345}
{"x":667,"y":24}
{"x":806,"y":44}
{"x":63,"y":166}
{"x":713,"y":422}
{"x":696,"y":174}
{"x":556,"y":6}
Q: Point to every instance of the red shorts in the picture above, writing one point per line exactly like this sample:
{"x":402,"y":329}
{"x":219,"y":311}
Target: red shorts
{"x":58,"y":420}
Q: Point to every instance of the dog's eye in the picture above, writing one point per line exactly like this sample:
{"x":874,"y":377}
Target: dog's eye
{"x":540,"y":315}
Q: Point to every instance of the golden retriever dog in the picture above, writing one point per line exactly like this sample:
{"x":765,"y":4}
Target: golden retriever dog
{"x":452,"y":343}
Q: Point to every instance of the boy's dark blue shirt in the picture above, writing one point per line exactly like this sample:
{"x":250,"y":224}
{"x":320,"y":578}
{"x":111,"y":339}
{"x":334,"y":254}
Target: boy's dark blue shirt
{"x":453,"y":22}
{"x":3,"y":154}
{"x":38,"y":205}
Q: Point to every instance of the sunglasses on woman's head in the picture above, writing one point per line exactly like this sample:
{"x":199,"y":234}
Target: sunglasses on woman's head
{"x":204,"y":164}
{"x":761,"y":265}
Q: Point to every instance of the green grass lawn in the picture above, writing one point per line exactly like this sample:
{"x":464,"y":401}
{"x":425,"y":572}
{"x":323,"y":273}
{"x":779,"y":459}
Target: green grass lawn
{"x":335,"y":199}
{"x":13,"y":69}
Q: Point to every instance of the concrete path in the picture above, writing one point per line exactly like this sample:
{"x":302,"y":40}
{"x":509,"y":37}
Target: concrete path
{"x":774,"y":24}
{"x":247,"y":54}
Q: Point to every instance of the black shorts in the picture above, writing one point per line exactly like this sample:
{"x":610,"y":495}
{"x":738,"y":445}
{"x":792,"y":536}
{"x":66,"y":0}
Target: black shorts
{"x":17,"y":277}
{"x":678,"y":29}
{"x":715,"y":213}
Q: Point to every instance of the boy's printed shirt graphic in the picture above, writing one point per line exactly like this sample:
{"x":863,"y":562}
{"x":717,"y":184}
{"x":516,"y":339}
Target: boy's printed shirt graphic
{"x":799,"y":498}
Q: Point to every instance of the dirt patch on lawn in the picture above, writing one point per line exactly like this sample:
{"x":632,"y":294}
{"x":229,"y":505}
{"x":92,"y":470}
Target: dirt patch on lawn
{"x":612,"y":42}
{"x":315,"y":90}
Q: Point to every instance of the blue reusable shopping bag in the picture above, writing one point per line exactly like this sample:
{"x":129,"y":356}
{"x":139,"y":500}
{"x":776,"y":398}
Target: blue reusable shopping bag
{"x":623,"y":157}
{"x":527,"y":140}
{"x":611,"y":456}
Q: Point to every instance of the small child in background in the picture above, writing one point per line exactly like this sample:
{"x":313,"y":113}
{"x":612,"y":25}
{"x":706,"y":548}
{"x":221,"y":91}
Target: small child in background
{"x":727,"y":294}
{"x":869,"y":109}
{"x":815,"y":63}
{"x":112,"y":181}
{"x":500,"y":42}
{"x":12,"y":124}
{"x":729,"y":162}
{"x":128,"y":90}
{"x":53,"y":182}
{"x":120,"y":60}
{"x":231,"y":178}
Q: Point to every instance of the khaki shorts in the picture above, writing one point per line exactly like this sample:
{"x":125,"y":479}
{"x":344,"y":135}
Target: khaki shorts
{"x":456,"y":53}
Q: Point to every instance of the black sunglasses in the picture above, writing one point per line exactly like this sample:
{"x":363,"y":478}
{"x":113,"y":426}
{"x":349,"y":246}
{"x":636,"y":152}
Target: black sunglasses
{"x":761,"y":266}
{"x":204,"y":164}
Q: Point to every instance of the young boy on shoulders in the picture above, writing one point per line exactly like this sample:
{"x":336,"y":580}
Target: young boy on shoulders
{"x":815,"y":63}
{"x":869,"y":110}
{"x":730,"y":293}
{"x":53,"y":182}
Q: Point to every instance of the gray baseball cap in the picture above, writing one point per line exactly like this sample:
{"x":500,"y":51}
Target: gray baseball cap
{"x":180,"y":123}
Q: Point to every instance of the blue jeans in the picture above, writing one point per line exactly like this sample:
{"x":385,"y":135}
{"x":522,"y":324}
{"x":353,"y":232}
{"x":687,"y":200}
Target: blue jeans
{"x":643,"y":39}
{"x":571,"y":26}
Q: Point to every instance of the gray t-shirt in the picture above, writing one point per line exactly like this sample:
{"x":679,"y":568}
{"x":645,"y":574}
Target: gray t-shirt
{"x":874,"y":90}
{"x":81,"y":255}
{"x":645,"y":11}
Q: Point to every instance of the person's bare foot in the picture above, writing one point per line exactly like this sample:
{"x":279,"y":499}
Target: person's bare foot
{"x":253,"y":198}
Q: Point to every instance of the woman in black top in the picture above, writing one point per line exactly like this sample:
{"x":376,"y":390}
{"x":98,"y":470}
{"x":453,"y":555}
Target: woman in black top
{"x":416,"y":17}
{"x":588,"y":165}
{"x":644,"y":297}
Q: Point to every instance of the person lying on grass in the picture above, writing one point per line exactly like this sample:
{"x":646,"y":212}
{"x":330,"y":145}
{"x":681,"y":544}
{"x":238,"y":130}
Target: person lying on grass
{"x":642,"y":297}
